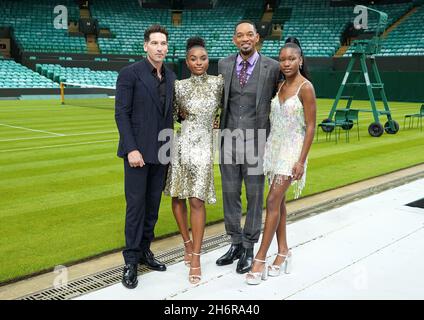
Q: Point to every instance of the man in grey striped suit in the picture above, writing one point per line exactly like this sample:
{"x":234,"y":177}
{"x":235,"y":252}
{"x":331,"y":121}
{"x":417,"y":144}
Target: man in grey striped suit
{"x":250,"y":83}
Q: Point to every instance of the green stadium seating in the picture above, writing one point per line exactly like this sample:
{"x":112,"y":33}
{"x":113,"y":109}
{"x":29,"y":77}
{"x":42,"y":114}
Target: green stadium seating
{"x":80,"y":76}
{"x":407,"y":38}
{"x":319,"y":26}
{"x":32,"y":23}
{"x":15,"y":75}
{"x":315,"y":23}
{"x":127,"y":21}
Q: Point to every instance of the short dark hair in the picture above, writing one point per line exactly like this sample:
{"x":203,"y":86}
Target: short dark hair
{"x":153,"y":29}
{"x":245,"y":21}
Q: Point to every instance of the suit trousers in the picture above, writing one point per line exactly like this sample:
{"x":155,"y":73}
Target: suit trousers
{"x":143,"y":191}
{"x":233,"y":174}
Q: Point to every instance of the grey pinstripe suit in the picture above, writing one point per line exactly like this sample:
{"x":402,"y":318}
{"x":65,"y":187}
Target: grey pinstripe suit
{"x":250,"y":114}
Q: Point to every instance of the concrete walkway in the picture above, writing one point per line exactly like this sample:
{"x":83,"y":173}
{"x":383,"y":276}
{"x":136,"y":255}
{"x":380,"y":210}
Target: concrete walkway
{"x":367,"y":249}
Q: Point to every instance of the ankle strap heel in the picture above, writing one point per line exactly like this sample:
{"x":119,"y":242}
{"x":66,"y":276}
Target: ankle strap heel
{"x":275,"y":269}
{"x":257,"y":277}
{"x":194,"y":278}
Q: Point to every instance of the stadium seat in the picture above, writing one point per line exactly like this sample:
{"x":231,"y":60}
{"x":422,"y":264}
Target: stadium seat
{"x":26,"y":16}
{"x":407,"y":38}
{"x":128,"y":32}
{"x":78,"y":76}
{"x":318,"y":26}
{"x":15,"y":75}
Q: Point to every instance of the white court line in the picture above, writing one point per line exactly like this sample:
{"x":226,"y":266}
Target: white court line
{"x":64,"y":135}
{"x":58,"y":145}
{"x":28,"y":129}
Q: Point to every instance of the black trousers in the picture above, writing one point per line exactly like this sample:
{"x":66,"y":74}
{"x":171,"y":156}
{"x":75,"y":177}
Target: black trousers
{"x":143,"y":191}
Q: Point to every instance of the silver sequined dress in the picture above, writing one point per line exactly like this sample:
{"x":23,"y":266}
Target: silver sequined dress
{"x":191,"y":173}
{"x":285,"y":141}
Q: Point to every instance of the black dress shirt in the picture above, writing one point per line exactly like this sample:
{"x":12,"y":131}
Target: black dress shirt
{"x":161,"y":84}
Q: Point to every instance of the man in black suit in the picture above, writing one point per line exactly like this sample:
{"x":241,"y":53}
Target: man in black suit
{"x":143,"y":108}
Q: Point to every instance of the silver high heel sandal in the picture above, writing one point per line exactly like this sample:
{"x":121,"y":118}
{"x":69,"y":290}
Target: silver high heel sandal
{"x":257,"y":277}
{"x":187,"y":262}
{"x":194,"y":278}
{"x":275,"y":269}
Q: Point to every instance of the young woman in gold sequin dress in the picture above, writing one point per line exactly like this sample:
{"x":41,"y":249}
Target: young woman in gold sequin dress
{"x":190,"y":174}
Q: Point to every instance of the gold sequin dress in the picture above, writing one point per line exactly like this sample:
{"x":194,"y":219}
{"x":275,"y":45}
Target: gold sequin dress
{"x":191,"y":173}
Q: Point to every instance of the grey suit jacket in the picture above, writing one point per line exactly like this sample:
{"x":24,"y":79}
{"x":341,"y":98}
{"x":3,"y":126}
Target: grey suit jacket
{"x":269,"y":74}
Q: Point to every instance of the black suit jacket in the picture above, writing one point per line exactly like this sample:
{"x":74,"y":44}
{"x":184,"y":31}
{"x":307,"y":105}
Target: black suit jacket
{"x":138,"y":113}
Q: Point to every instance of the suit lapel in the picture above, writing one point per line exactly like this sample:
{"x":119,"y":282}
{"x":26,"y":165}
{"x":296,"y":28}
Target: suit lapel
{"x":263,"y":75}
{"x":144,"y":76}
{"x":169,"y":88}
{"x":228,"y":76}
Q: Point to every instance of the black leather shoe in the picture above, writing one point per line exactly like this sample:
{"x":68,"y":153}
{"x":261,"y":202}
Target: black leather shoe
{"x":232,"y":254}
{"x":245,"y":262}
{"x":129,"y":279}
{"x":147,"y":258}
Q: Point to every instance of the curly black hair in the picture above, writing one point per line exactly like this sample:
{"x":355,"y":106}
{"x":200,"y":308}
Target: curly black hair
{"x":195,"y":42}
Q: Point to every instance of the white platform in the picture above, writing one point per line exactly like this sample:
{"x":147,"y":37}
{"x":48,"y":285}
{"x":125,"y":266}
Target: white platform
{"x":369,"y":249}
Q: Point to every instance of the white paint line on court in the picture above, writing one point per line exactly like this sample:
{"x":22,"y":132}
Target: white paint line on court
{"x":29,"y":129}
{"x":64,"y":135}
{"x":58,"y":145}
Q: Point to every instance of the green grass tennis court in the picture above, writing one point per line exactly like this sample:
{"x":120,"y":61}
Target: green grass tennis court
{"x":61,"y":190}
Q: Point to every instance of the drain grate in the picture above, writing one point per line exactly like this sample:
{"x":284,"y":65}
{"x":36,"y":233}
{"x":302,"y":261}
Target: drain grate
{"x":113,"y":276}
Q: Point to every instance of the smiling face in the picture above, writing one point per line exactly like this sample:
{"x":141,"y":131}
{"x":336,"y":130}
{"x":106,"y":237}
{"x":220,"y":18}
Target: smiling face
{"x":246,"y":38}
{"x":197,"y":60}
{"x":290,"y":60}
{"x":156,"y":47}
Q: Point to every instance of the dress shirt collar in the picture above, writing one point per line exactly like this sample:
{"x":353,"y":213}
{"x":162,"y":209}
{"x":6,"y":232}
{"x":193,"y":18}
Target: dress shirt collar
{"x":252,"y":59}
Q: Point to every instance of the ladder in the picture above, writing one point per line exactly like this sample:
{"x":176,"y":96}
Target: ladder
{"x":365,"y":50}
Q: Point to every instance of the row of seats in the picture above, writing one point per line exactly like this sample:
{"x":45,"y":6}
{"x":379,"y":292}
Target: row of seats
{"x":127,"y":21}
{"x":319,"y":26}
{"x":33,"y":25}
{"x":15,"y":75}
{"x":217,"y":32}
{"x":406,"y":39}
{"x":80,"y":76}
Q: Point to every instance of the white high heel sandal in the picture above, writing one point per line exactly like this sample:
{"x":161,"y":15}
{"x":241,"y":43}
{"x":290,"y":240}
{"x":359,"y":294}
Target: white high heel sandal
{"x":257,"y":277}
{"x":275,"y":269}
{"x":195,"y":278}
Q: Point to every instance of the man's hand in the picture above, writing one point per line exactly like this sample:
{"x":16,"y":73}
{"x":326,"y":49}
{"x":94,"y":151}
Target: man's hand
{"x":135,"y":159}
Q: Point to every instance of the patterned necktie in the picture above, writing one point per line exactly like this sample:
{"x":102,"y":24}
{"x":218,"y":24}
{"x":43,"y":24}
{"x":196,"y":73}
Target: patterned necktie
{"x":243,"y":73}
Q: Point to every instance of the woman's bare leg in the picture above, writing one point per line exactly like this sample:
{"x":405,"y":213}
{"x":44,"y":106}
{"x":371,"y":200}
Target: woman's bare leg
{"x":179,"y":208}
{"x":275,"y":196}
{"x":198,"y":220}
{"x":281,"y":233}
